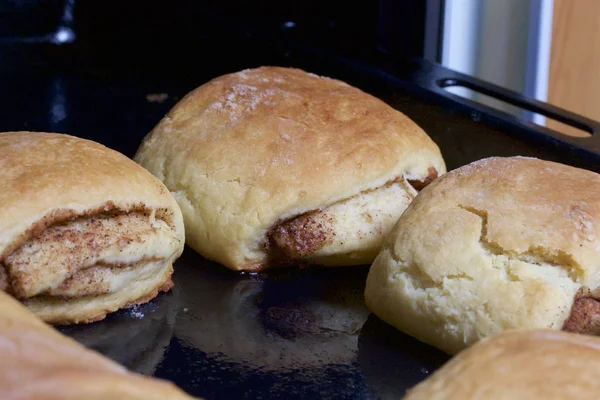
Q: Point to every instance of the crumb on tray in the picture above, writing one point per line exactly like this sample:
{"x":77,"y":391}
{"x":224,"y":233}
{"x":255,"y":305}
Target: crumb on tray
{"x":156,"y":97}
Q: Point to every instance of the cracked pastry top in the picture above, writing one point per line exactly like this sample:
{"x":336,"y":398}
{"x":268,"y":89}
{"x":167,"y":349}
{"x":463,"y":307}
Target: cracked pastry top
{"x":533,"y":364}
{"x":498,"y":244}
{"x":84,"y":230}
{"x":275,"y":166}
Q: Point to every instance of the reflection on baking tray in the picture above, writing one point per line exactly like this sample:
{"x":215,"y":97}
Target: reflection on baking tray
{"x":387,"y":358}
{"x":280,"y":320}
{"x":134,"y":337}
{"x":274,"y":328}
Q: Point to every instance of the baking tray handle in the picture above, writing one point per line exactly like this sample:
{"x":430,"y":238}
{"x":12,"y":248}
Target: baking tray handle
{"x":439,"y":79}
{"x":527,"y":103}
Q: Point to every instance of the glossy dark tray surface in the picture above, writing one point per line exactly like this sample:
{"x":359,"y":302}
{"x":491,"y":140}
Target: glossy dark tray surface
{"x":219,"y":334}
{"x":281,"y":334}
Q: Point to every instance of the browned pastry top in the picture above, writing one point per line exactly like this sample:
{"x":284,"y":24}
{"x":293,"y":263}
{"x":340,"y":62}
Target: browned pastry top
{"x":250,"y":149}
{"x":501,"y":243}
{"x":519,"y":364}
{"x":47,"y":178}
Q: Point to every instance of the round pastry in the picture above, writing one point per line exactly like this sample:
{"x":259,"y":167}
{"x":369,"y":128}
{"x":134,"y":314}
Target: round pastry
{"x":498,"y":244}
{"x":518,"y":364}
{"x":84,"y":230}
{"x":273,"y":166}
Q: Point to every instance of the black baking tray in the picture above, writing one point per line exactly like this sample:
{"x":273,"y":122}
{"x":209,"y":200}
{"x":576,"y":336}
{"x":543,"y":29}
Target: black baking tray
{"x":293,"y":333}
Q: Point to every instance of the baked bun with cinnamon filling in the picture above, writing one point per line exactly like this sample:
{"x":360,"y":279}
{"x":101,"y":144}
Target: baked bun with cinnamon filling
{"x":534,"y":364}
{"x":274,"y":166}
{"x":84,"y":230}
{"x":38,"y":363}
{"x":501,"y":243}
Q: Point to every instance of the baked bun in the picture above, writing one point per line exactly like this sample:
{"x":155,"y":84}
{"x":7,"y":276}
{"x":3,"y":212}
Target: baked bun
{"x":498,"y":244}
{"x":519,"y":364}
{"x":275,"y":165}
{"x":84,"y":230}
{"x":38,"y":363}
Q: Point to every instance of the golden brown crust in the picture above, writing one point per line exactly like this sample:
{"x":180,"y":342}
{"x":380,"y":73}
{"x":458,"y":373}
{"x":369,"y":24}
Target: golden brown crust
{"x":498,"y":244}
{"x":518,"y":364}
{"x":248,"y":150}
{"x":40,"y":363}
{"x":60,"y":196}
{"x":100,"y":315}
{"x":49,"y":178}
{"x":164,"y":287}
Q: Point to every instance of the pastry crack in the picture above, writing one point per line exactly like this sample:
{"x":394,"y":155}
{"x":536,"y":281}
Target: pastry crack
{"x":537,"y":255}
